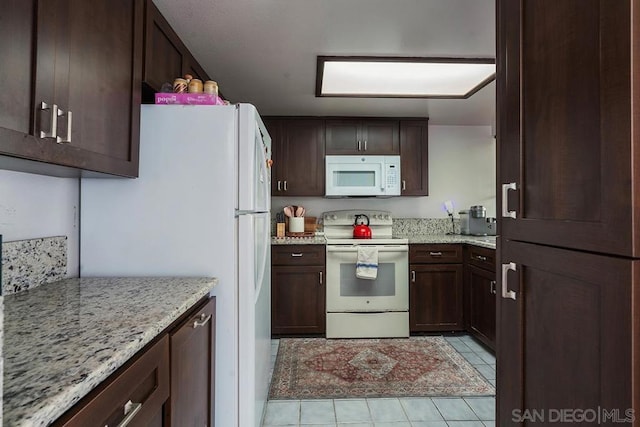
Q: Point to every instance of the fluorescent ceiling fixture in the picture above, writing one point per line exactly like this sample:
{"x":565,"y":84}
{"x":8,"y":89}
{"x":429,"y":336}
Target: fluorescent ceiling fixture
{"x":402,"y":77}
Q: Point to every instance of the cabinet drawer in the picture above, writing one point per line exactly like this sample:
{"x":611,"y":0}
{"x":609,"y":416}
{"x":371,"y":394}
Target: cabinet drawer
{"x":298,"y":255}
{"x":435,"y":254}
{"x":145,"y":383}
{"x":481,"y":257}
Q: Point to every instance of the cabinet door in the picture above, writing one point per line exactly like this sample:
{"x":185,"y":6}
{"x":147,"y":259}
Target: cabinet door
{"x":566,"y":133}
{"x":565,"y":340}
{"x":274,"y":127}
{"x":298,"y":300}
{"x":105,"y":60}
{"x":192,"y":373}
{"x":414,"y":160}
{"x":343,"y":136}
{"x":16,"y":50}
{"x":435,"y":298}
{"x":302,"y":160}
{"x":163,"y":51}
{"x":380,"y":137}
{"x":480,"y":291}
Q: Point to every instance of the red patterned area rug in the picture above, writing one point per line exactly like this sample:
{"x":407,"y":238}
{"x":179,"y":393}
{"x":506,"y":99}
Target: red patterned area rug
{"x":315,"y":368}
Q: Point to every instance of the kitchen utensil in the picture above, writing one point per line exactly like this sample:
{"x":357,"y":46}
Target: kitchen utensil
{"x":299,"y":211}
{"x":288,"y":211}
{"x":361,"y":231}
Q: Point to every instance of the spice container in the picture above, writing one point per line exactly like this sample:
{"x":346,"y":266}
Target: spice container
{"x":195,"y":86}
{"x":211,"y":87}
{"x":179,"y":85}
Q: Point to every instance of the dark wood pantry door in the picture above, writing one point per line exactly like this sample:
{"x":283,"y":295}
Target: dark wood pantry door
{"x":567,"y":95}
{"x":565,"y":341}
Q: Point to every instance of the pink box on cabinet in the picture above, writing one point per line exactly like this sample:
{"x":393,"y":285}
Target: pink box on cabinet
{"x":188,"y":98}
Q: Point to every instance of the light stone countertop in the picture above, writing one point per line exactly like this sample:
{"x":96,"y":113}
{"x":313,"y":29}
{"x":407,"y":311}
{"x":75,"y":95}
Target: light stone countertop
{"x":63,"y":339}
{"x":482,"y":241}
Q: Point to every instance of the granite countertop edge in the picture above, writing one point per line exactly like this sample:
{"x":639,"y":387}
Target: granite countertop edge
{"x":482,"y":241}
{"x":42,"y":410}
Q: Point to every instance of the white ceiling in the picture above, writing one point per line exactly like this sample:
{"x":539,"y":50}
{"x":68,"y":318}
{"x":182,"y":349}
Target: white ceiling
{"x":264,"y":51}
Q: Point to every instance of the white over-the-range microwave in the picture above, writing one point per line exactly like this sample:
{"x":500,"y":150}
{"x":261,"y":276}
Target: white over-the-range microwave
{"x":362,"y":176}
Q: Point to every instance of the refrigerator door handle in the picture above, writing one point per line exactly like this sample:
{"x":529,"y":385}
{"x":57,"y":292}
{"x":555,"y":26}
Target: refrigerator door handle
{"x":266,"y":185}
{"x":264,"y":255}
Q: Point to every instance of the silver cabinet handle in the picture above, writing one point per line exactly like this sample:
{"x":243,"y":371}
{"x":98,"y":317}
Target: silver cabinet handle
{"x":297,"y":255}
{"x":505,"y":269}
{"x":480,"y":258}
{"x":365,"y":145}
{"x":435,"y":253}
{"x":53,"y":131}
{"x":285,"y":186}
{"x":506,"y":213}
{"x":204,"y":319}
{"x":413,"y":276}
{"x":404,"y":185}
{"x":131,"y":410}
{"x":492,"y":289}
{"x":66,"y":139}
{"x":279,"y":185}
{"x":321,"y":277}
{"x":359,"y":146}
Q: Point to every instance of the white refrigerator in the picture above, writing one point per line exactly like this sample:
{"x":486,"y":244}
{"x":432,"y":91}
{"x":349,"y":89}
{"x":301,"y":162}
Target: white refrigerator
{"x":200,"y":207}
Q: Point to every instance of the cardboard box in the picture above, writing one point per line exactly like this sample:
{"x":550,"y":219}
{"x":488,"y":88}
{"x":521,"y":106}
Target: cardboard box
{"x":188,"y":99}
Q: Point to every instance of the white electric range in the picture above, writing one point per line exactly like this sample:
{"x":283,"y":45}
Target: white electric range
{"x":361,"y":308}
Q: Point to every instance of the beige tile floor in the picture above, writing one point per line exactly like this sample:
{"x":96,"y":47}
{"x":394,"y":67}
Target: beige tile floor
{"x":394,"y":412}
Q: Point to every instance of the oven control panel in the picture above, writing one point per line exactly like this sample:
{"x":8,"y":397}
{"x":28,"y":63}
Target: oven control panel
{"x":347,"y":217}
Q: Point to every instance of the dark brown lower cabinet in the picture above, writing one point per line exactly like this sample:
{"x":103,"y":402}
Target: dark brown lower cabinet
{"x":298,"y":300}
{"x":140,"y":389}
{"x":480,"y":295}
{"x":435,"y":297}
{"x":192,"y":372}
{"x":298,"y":290}
{"x":567,"y":335}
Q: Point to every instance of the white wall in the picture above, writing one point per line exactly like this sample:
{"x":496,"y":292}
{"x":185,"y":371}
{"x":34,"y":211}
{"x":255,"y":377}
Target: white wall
{"x":33,"y":206}
{"x":462,"y":168}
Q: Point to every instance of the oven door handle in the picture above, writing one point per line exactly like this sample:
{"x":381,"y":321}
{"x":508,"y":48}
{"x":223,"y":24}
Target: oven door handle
{"x":381,"y":248}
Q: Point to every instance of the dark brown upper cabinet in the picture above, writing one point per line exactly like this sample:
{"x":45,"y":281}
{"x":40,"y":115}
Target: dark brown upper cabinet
{"x":567,"y":90}
{"x":362,"y":136}
{"x":71,"y":86}
{"x":298,"y":156}
{"x":414,"y":157}
{"x":165,"y":55}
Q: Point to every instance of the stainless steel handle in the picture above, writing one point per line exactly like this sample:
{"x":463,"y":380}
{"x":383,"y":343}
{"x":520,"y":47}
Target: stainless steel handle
{"x":359,"y":147}
{"x":413,"y":276}
{"x":480,"y":257}
{"x":297,"y":255}
{"x":506,"y":213}
{"x":279,"y":185}
{"x":131,"y":410}
{"x":435,"y":253}
{"x":321,"y":277}
{"x":53,"y":131}
{"x":66,"y":139}
{"x":404,"y":185}
{"x":285,"y":186}
{"x":492,"y":290}
{"x":365,"y":145}
{"x":204,"y":319}
{"x":505,"y":269}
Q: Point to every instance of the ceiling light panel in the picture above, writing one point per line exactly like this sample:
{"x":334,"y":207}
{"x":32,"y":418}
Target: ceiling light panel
{"x":403,"y":78}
